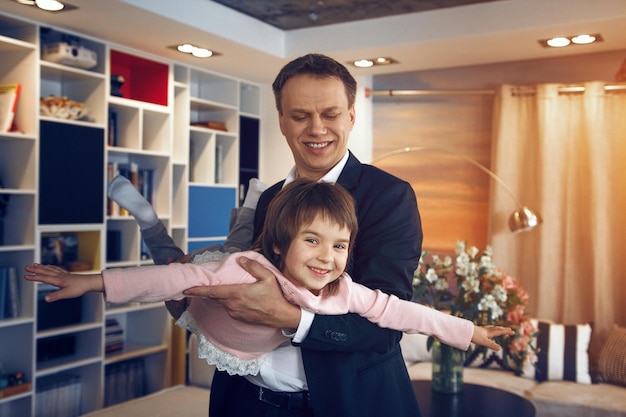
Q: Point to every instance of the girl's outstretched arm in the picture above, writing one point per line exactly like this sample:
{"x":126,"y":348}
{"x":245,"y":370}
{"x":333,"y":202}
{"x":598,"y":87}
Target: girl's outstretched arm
{"x":483,"y":335}
{"x":70,"y":285}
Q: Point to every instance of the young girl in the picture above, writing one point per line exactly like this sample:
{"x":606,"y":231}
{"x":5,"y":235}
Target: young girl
{"x":309,"y":230}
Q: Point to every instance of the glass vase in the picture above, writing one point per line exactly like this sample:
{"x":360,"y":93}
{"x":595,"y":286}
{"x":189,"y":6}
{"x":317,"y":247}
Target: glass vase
{"x":447,"y":368}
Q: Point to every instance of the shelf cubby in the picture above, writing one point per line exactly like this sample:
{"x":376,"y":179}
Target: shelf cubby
{"x":62,"y":351}
{"x":17,"y":227}
{"x":76,"y":84}
{"x":50,"y":36}
{"x":144,"y":79}
{"x":18,"y":154}
{"x":215,"y":88}
{"x":249,"y":99}
{"x":18,"y":258}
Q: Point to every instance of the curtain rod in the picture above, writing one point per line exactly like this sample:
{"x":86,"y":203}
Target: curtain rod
{"x":519,"y":90}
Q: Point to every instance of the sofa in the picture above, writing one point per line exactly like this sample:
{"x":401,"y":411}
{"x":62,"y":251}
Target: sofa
{"x":551,"y":398}
{"x":554,"y":397}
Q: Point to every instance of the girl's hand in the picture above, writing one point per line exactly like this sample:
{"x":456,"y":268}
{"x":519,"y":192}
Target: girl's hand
{"x":483,"y":335}
{"x":71,"y":285}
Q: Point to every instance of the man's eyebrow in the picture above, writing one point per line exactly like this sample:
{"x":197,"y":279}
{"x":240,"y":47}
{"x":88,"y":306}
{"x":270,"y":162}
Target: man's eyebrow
{"x":327,"y":109}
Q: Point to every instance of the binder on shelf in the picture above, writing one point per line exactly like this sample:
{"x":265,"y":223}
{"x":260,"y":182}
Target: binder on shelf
{"x":112,"y":134}
{"x":9,"y":293}
{"x":9,"y":96}
{"x":4,"y":285}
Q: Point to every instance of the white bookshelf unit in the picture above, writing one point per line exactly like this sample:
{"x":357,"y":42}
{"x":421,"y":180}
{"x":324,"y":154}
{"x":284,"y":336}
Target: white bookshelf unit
{"x":191,"y":137}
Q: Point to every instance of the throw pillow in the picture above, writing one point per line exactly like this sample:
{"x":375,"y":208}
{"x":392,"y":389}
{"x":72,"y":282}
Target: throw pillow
{"x":481,"y":357}
{"x":562,"y":353}
{"x":612,"y":359}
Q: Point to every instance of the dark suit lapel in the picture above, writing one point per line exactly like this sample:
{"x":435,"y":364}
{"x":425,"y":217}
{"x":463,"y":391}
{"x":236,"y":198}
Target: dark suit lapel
{"x":349,"y":177}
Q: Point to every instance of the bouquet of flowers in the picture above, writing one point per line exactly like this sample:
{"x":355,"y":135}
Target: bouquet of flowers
{"x":472,"y":287}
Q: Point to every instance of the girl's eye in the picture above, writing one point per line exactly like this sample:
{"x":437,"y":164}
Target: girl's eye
{"x":340,"y":246}
{"x":310,"y":240}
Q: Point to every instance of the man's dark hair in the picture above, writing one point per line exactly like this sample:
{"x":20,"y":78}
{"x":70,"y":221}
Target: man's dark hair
{"x":316,"y":65}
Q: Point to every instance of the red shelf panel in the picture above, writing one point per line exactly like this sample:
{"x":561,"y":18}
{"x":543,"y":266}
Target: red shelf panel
{"x":144,"y":80}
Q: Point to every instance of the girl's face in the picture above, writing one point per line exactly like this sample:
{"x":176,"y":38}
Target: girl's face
{"x":317,"y":255}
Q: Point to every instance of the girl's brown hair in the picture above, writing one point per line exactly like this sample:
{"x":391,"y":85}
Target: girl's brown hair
{"x":297,"y":205}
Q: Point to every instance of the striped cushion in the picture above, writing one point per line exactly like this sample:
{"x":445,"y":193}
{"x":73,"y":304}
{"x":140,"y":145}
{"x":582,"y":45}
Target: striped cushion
{"x":562,"y":353}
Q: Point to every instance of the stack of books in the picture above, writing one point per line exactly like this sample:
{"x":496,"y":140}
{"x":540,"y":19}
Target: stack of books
{"x":9,"y":293}
{"x":114,"y":337}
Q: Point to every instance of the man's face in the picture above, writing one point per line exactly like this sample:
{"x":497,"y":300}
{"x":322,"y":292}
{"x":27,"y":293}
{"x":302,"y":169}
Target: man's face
{"x":316,"y":121}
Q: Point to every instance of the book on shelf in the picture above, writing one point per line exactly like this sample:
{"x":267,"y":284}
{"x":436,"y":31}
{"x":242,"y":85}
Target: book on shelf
{"x":9,"y":293}
{"x":124,"y":381}
{"x":58,"y":395}
{"x":112,"y":134}
{"x":9,"y":97}
{"x":211,"y":124}
{"x":130,"y":170}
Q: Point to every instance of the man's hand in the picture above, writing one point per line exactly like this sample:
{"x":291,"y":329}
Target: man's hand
{"x":259,"y":303}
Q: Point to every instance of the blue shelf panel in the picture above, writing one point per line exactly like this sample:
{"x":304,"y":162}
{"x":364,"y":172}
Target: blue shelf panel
{"x":209,"y":210}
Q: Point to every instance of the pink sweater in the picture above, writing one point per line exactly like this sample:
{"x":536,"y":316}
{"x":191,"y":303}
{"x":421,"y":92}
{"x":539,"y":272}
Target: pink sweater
{"x":247,"y":341}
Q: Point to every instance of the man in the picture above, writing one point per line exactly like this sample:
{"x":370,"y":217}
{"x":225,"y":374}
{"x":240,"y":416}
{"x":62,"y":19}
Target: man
{"x":336,"y":365}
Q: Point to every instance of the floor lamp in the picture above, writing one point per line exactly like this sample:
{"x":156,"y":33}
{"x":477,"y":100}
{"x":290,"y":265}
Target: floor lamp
{"x":521,"y":220}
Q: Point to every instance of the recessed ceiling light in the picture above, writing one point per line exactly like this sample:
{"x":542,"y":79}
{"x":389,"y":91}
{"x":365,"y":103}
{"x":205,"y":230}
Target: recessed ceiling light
{"x":369,"y":62}
{"x":583,"y":39}
{"x":562,"y":41}
{"x":363,"y":63}
{"x":48,"y":5}
{"x":558,"y":42}
{"x":186,"y":48}
{"x":194,"y":50}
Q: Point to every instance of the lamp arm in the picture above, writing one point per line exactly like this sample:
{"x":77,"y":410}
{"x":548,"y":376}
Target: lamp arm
{"x":467,"y":159}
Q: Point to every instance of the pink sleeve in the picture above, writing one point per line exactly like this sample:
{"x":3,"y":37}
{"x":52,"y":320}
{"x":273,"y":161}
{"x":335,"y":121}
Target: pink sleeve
{"x":390,"y":312}
{"x":167,"y":282}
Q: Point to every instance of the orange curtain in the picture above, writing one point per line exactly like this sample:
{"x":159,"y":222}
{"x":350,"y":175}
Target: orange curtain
{"x":563,"y":154}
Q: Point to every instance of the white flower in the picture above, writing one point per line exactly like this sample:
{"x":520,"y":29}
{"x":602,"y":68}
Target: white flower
{"x":499,"y":293}
{"x":441,"y":284}
{"x":471,"y":284}
{"x":489,"y":302}
{"x":431,"y":275}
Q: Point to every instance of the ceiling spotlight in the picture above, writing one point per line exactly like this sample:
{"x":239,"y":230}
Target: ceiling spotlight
{"x":366,"y":63}
{"x":194,"y":50}
{"x":201,"y":53}
{"x":363,"y":63}
{"x":583,"y":39}
{"x":558,"y":42}
{"x":186,"y":48}
{"x":47,"y":5}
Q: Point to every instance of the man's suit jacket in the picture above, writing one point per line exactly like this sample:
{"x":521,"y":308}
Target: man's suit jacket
{"x":353,"y":367}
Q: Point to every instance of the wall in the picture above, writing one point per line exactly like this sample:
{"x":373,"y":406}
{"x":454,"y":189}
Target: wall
{"x":453,"y":195}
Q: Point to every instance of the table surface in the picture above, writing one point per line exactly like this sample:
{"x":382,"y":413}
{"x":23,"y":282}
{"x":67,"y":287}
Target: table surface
{"x":473,"y":401}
